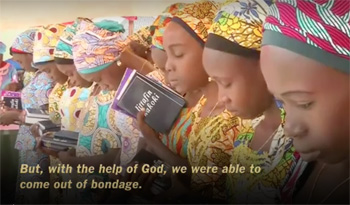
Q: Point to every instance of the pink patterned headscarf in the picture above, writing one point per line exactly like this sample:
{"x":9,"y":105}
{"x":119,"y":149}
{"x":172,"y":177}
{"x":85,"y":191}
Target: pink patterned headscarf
{"x":318,"y":29}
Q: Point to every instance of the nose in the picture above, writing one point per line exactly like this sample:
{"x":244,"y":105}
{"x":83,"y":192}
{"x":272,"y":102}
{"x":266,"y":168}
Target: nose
{"x":223,"y":97}
{"x":294,"y":127}
{"x":169,"y":66}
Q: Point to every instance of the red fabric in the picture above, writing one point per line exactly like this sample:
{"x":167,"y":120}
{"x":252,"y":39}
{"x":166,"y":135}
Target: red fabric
{"x":130,"y":18}
{"x":13,"y":50}
{"x":302,"y":20}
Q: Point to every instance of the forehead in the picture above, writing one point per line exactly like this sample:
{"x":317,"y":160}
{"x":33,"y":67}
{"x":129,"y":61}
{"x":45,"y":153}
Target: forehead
{"x":223,"y":64}
{"x":287,"y":71}
{"x":174,"y":33}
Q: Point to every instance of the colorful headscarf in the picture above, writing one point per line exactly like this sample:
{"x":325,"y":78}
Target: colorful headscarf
{"x":316,"y":29}
{"x":63,"y":52}
{"x":97,"y":45}
{"x":46,"y":39}
{"x":24,"y":42}
{"x":157,"y":30}
{"x":159,"y":25}
{"x":142,"y":36}
{"x":196,"y":18}
{"x":237,"y":27}
{"x":2,"y":48}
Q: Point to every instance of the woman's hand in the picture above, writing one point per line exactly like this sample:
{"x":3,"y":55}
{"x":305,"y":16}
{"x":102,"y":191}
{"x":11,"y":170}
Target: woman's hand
{"x":8,"y":117}
{"x":41,"y":148}
{"x":13,"y":87}
{"x":177,"y":189}
{"x":139,"y":49}
{"x":34,"y":129}
{"x":66,"y":156}
{"x":146,"y":130}
{"x":145,"y":180}
{"x":22,"y":116}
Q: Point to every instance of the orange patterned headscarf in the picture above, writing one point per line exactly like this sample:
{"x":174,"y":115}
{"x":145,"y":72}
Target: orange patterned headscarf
{"x":159,"y":25}
{"x":196,"y":18}
{"x":46,"y":39}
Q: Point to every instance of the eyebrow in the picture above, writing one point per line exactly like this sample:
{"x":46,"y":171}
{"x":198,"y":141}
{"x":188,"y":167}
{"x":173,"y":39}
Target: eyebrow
{"x":296,"y":92}
{"x":175,"y":45}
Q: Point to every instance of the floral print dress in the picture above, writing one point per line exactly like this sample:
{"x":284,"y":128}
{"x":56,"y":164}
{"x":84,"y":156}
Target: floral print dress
{"x":34,"y":95}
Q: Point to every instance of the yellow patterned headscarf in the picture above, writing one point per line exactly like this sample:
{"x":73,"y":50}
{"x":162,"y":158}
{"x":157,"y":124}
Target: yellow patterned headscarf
{"x":142,"y":36}
{"x":46,"y":39}
{"x":196,"y":18}
{"x":240,"y":22}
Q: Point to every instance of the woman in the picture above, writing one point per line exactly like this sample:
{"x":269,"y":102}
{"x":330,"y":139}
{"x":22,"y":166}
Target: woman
{"x":184,"y":39}
{"x":99,"y":138}
{"x":73,"y":100}
{"x":159,"y":58}
{"x":231,"y":58}
{"x":35,"y":95}
{"x":22,"y":52}
{"x":8,"y":73}
{"x":308,"y":71}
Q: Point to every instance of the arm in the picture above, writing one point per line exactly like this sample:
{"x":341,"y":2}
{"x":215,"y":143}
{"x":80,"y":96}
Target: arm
{"x":154,"y":145}
{"x":136,"y":62}
{"x":158,"y":148}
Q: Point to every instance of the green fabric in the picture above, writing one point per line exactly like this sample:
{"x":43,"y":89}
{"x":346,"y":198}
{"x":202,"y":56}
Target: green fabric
{"x":96,"y":69}
{"x":110,"y":26}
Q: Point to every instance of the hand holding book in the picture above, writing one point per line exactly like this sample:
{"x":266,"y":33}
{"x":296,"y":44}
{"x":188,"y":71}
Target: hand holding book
{"x":145,"y":129}
{"x":41,"y":148}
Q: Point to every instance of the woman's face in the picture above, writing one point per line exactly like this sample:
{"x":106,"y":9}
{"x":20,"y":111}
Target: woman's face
{"x":316,"y":100}
{"x":75,"y":80}
{"x":108,"y":78}
{"x":184,"y":68}
{"x":51,"y":69}
{"x":159,"y":57}
{"x":241,"y":84}
{"x":25,"y":60}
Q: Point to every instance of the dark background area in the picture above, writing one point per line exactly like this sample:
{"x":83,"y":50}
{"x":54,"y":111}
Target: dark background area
{"x":9,"y":166}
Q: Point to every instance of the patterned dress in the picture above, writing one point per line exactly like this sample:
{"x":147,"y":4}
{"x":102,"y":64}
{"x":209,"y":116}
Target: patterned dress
{"x":99,"y":133}
{"x":34,"y":95}
{"x":72,"y":103}
{"x":8,"y":74}
{"x":68,"y":103}
{"x":211,"y":144}
{"x":177,"y":139}
{"x":129,"y":129}
{"x":275,"y":167}
{"x":27,"y":77}
{"x":54,"y":99}
{"x":56,"y":195}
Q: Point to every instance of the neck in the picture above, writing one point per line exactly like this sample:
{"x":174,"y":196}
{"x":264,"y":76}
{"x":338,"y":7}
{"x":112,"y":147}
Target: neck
{"x":273,"y":114}
{"x":209,"y":90}
{"x":342,"y":165}
{"x":31,"y":70}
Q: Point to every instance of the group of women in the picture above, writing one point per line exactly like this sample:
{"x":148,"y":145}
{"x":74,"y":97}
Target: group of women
{"x":266,"y":83}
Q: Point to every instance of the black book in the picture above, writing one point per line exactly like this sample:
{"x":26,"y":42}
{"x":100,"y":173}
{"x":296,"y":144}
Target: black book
{"x":48,"y":126}
{"x":66,"y":135}
{"x":13,"y":102}
{"x":56,"y":144}
{"x":162,"y":105}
